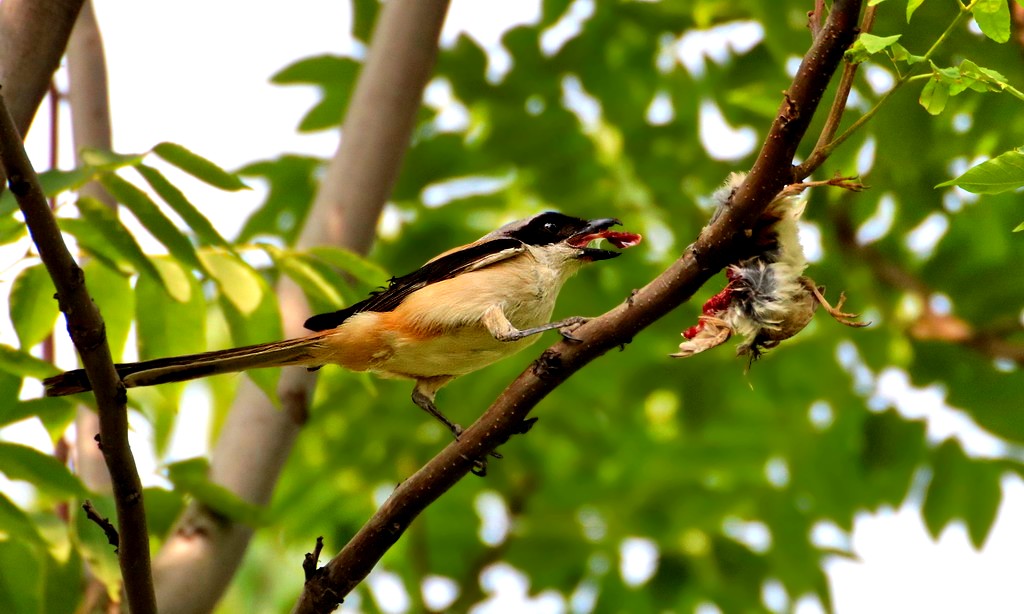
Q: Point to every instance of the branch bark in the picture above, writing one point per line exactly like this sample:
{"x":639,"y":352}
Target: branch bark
{"x":717,"y":246}
{"x":33,"y":35}
{"x":85,"y":325}
{"x":203,"y":553}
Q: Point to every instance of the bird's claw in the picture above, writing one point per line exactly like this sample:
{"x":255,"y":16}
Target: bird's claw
{"x":568,"y":330}
{"x":847,"y":319}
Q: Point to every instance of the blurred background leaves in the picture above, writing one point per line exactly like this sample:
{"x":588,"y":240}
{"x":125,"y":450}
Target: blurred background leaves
{"x":636,"y":110}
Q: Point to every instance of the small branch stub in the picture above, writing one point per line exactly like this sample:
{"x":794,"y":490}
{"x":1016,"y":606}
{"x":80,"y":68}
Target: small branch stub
{"x":104,"y":523}
{"x":311,"y":560}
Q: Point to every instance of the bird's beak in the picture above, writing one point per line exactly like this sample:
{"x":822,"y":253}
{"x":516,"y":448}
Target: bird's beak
{"x":599,"y":229}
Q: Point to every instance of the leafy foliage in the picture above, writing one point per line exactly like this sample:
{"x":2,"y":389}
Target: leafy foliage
{"x":698,"y":457}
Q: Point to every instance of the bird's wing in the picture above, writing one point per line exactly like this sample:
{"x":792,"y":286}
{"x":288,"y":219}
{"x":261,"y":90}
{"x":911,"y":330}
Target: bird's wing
{"x":446,"y":266}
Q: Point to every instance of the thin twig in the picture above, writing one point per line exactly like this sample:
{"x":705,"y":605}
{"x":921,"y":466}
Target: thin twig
{"x":104,"y":523}
{"x":89,"y":336}
{"x":816,"y":18}
{"x":835,"y":114}
{"x":965,"y":11}
{"x":714,"y":248}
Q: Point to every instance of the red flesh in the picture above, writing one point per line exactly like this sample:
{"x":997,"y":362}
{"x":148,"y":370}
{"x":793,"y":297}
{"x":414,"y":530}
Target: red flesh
{"x":621,"y":240}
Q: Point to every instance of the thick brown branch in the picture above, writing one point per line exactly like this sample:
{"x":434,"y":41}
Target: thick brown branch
{"x":714,"y":249}
{"x":87,"y":332}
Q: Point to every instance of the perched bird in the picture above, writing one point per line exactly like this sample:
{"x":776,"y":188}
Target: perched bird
{"x":767,"y":299}
{"x":461,"y":311}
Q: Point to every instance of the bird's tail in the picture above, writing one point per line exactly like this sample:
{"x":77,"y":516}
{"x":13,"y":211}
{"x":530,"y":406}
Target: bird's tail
{"x":294,"y":352}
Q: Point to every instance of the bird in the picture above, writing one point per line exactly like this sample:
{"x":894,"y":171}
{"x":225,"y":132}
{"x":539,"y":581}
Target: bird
{"x":767,"y":299}
{"x":464,"y":309}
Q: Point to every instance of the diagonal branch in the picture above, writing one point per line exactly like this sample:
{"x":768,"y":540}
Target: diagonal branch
{"x":85,"y":325}
{"x":717,"y":245}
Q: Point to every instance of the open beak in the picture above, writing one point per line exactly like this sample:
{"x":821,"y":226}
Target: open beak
{"x":599,"y":229}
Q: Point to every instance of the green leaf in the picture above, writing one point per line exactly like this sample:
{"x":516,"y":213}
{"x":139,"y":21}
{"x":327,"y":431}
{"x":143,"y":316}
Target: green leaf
{"x":934,"y":96}
{"x":176,"y":280}
{"x":50,"y":410}
{"x":1003,"y":173}
{"x":364,"y":16}
{"x":351,"y":263}
{"x":199,"y":167}
{"x":168,"y":329}
{"x":993,"y":18}
{"x":93,"y":244}
{"x":1019,"y":228}
{"x":23,"y":580}
{"x":147,"y":212}
{"x":63,"y":573}
{"x":321,"y":293}
{"x":105,"y":160}
{"x":261,"y":325}
{"x":867,"y":45}
{"x":11,"y":229}
{"x":163,"y":507}
{"x":32,"y":307}
{"x":52,"y":182}
{"x":20,"y":462}
{"x":111,"y":290}
{"x":237,"y":281}
{"x":192,"y":477}
{"x":900,"y":54}
{"x":962,"y":488}
{"x":873,"y":44}
{"x":22,"y":363}
{"x":912,"y":5}
{"x":335,"y":76}
{"x":181,"y":205}
{"x":293,"y":183}
{"x":105,"y":237}
{"x":13,"y":521}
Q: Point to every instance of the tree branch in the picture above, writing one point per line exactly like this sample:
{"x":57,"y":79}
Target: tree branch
{"x":85,"y":325}
{"x":820,"y":153}
{"x":717,"y":246}
{"x":199,"y":559}
{"x":104,"y":524}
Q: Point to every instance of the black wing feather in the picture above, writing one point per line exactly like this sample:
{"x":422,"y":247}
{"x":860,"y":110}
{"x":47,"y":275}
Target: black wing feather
{"x":399,"y":288}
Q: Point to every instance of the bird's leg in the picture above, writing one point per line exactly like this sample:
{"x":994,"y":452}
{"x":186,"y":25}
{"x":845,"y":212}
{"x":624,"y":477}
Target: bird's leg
{"x":423,"y":396}
{"x":425,"y":402}
{"x":498,"y":324}
{"x":849,"y":319}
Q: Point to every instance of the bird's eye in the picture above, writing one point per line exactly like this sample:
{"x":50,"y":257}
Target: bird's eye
{"x":550,"y":227}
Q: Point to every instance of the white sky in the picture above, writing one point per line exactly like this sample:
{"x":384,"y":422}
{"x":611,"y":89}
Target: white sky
{"x":196,"y":72}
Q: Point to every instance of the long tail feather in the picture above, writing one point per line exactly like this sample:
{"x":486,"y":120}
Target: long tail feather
{"x":295,"y":352}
